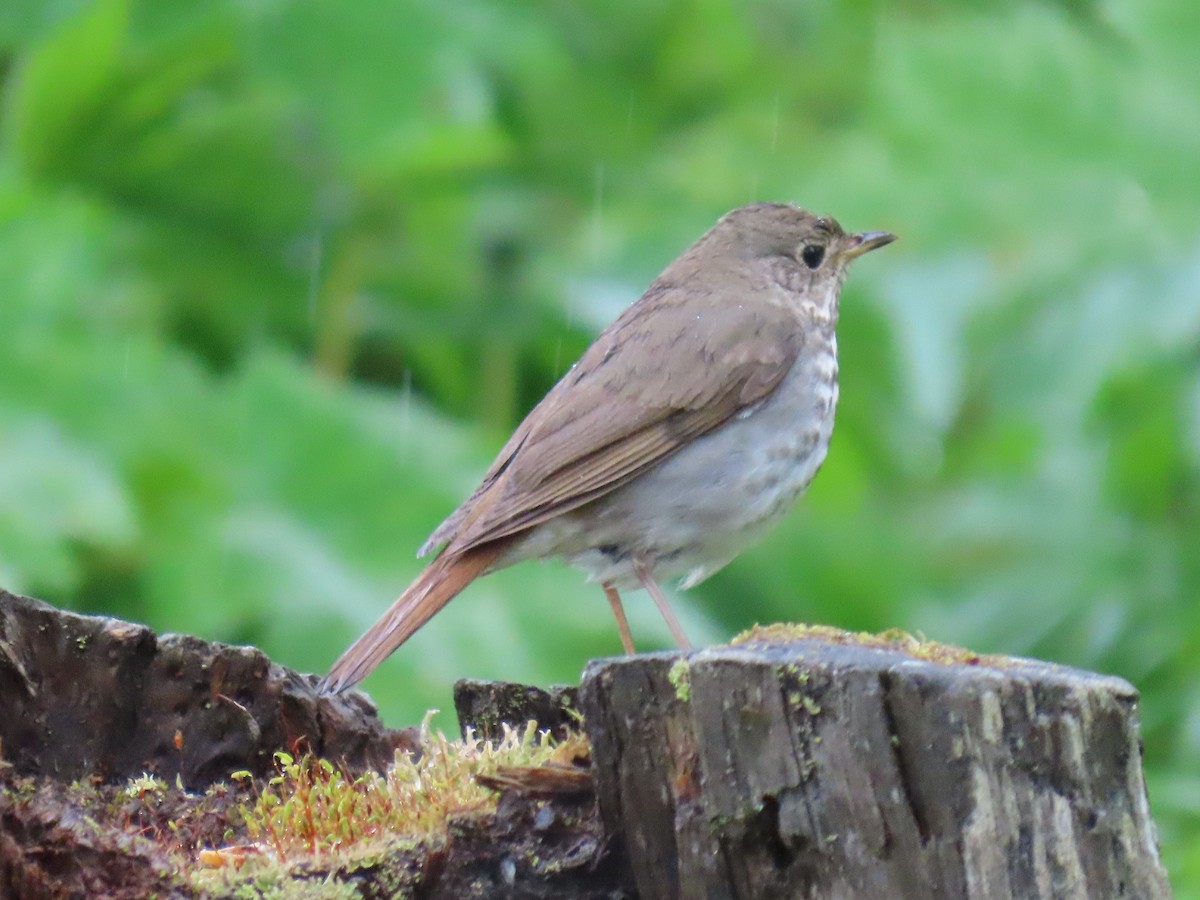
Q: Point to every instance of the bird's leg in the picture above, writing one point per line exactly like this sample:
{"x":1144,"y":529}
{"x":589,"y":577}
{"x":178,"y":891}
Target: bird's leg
{"x":660,"y":599}
{"x":614,"y":600}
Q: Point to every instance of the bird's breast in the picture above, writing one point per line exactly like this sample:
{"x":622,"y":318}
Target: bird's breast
{"x":697,"y":509}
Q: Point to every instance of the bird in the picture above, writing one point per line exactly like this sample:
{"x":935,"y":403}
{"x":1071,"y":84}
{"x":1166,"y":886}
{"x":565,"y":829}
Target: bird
{"x":683,"y":433}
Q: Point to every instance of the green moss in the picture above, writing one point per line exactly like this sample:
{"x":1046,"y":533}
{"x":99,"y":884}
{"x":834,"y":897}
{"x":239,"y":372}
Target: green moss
{"x":805,"y":702}
{"x":310,"y":831}
{"x":312,"y":807}
{"x":680,"y":676}
{"x":892,"y":639}
{"x":145,"y":786}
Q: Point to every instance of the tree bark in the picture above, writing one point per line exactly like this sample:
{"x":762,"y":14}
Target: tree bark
{"x":828,"y":766}
{"x":90,"y":696}
{"x":824,"y":770}
{"x":483,"y":706}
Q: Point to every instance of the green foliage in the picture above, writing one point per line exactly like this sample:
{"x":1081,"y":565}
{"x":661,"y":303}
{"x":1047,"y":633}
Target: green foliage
{"x":279,"y":278}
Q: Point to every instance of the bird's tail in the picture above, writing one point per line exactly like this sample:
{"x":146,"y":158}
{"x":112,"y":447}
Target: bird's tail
{"x":434,"y":588}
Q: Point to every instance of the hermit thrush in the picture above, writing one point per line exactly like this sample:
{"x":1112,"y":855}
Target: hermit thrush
{"x":682,"y":434}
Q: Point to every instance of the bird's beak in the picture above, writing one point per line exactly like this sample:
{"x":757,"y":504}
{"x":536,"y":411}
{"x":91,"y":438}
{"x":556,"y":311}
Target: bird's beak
{"x":865,"y":242}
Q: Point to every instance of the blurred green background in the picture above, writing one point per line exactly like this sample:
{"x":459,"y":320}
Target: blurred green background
{"x":278,"y":277}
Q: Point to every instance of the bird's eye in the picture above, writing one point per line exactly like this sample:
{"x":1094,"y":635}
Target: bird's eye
{"x":812,"y":255}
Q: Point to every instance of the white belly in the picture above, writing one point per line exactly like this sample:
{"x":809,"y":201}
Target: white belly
{"x":698,"y":509}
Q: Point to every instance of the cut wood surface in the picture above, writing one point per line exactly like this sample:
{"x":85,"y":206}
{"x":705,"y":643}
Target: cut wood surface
{"x":830,"y":770}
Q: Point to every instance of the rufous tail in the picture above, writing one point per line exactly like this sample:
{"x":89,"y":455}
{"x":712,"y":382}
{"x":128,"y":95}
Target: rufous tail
{"x":434,"y":588}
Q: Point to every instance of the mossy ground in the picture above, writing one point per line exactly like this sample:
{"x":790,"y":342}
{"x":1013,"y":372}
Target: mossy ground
{"x":311,"y":831}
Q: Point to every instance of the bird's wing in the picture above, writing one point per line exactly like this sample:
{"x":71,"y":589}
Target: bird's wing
{"x":672,"y":367}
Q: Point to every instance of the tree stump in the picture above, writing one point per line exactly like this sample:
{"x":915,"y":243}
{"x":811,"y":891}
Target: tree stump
{"x":811,"y":769}
{"x":483,"y":707}
{"x":801,"y":763}
{"x":84,"y":696}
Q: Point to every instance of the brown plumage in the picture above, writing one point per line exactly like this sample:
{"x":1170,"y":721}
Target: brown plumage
{"x":584,"y":475}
